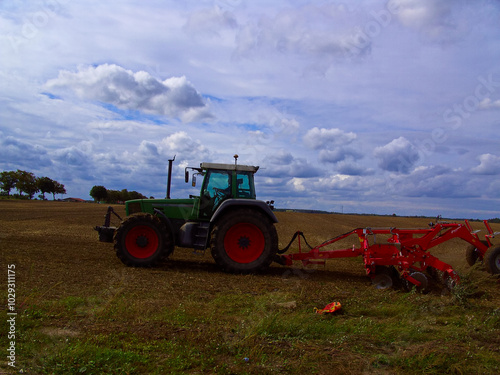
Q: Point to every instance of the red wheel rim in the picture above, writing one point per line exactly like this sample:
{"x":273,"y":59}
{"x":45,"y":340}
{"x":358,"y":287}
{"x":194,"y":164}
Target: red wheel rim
{"x":244,"y":243}
{"x":141,"y":241}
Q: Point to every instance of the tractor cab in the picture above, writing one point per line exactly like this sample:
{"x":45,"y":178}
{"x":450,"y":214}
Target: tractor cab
{"x":222,"y":182}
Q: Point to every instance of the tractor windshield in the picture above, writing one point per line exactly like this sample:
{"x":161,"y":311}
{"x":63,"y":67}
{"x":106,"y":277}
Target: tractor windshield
{"x":218,"y":183}
{"x":216,"y":188}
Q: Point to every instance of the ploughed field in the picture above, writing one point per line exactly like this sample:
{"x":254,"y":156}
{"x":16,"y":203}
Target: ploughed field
{"x":80,"y":310}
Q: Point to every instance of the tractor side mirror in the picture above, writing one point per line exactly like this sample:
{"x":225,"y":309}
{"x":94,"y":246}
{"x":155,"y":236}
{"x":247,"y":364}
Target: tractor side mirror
{"x":186,"y":176}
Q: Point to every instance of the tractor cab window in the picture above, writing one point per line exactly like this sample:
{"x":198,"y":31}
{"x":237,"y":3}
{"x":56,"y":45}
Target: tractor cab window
{"x":243,"y":185}
{"x":216,"y":188}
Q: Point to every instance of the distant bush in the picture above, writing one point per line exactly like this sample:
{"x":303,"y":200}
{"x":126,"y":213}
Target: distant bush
{"x":100,"y":194}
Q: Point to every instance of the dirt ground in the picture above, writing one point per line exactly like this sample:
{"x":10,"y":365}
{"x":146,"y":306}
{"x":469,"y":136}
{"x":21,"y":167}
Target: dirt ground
{"x":56,"y":250}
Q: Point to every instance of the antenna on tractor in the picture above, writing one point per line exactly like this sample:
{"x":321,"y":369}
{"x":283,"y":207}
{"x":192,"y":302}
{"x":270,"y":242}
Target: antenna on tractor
{"x":235,"y":160}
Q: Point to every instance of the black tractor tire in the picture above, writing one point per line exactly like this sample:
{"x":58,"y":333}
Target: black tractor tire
{"x":143,"y":240}
{"x":244,"y":241}
{"x":471,"y":254}
{"x":492,"y":260}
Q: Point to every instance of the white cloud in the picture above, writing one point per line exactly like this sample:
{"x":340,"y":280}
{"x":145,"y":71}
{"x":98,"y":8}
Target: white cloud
{"x":487,"y":103}
{"x":112,"y":84}
{"x":435,"y":182}
{"x":399,"y":155}
{"x":350,"y":168}
{"x":284,"y":164}
{"x":489,"y":165}
{"x":317,"y":138}
{"x":149,"y":149}
{"x":14,"y":151}
{"x":347,"y":186}
{"x":297,"y":184}
{"x":326,"y":31}
{"x":210,"y":21}
{"x":439,"y":20}
{"x":338,"y":154}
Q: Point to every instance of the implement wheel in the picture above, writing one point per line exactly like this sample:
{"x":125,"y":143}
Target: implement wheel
{"x":472,"y":254}
{"x":244,"y":241}
{"x":142,"y":240}
{"x":492,"y":260}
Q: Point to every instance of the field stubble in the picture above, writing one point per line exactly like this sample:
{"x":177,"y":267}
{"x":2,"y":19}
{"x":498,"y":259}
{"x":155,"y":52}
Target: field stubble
{"x":82,"y":311}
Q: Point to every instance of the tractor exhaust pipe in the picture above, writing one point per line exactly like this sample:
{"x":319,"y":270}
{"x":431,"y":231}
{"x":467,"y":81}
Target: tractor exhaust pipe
{"x":169,"y":178}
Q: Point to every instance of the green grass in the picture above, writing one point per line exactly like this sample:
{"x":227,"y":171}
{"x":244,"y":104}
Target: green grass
{"x":386,"y":331}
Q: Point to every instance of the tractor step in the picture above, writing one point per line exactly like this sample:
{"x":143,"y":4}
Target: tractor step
{"x":200,"y":236}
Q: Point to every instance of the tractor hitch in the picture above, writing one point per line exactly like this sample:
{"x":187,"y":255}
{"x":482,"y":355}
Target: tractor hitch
{"x":106,"y":232}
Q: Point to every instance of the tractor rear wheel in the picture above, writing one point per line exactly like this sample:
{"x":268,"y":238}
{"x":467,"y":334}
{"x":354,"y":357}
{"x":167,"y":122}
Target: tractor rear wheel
{"x":244,"y":241}
{"x":142,"y":240}
{"x":492,"y":260}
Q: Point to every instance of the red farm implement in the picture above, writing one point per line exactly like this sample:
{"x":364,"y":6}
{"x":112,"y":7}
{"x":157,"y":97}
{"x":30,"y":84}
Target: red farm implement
{"x":392,"y":253}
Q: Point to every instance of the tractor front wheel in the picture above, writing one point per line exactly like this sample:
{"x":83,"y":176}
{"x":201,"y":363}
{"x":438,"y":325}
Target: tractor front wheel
{"x":142,"y":240}
{"x":492,"y":260}
{"x":244,"y":241}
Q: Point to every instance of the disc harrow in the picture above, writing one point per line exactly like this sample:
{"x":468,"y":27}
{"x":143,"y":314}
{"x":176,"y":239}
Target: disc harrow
{"x":393,"y":253}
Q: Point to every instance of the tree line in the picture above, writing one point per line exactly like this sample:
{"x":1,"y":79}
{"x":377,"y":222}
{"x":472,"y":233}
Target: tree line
{"x":27,"y":183}
{"x":101,"y":194}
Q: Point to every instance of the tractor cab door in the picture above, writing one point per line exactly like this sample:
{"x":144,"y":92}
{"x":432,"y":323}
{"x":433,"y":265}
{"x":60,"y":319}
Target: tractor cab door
{"x":217,"y":186}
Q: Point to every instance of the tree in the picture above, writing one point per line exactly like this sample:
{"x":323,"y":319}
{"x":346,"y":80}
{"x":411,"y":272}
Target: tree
{"x":8,"y":181}
{"x":58,"y":189}
{"x":135,"y":195}
{"x":46,"y":185}
{"x":124,"y":195}
{"x":26,"y":183}
{"x":114,"y":196}
{"x":98,"y":192}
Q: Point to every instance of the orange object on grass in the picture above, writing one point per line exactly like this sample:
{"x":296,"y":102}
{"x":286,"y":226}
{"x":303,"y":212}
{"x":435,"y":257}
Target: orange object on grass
{"x":330,"y":308}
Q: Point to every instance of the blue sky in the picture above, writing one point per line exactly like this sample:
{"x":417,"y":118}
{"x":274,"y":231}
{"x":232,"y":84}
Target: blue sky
{"x":362,"y":106}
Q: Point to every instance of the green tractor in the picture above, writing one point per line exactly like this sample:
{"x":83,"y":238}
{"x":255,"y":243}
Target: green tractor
{"x":225,"y":217}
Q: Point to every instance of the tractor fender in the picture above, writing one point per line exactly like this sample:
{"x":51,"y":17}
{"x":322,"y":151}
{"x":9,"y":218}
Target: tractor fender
{"x":231,"y":204}
{"x":166,"y":220}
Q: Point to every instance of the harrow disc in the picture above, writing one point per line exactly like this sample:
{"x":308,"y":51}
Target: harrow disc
{"x":383,"y":278}
{"x":424,"y":282}
{"x":382,"y":281}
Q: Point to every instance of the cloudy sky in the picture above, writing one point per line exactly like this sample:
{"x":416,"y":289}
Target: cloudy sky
{"x":355,"y":106}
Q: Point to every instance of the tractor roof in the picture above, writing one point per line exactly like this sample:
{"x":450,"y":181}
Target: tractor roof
{"x":229,"y":167}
